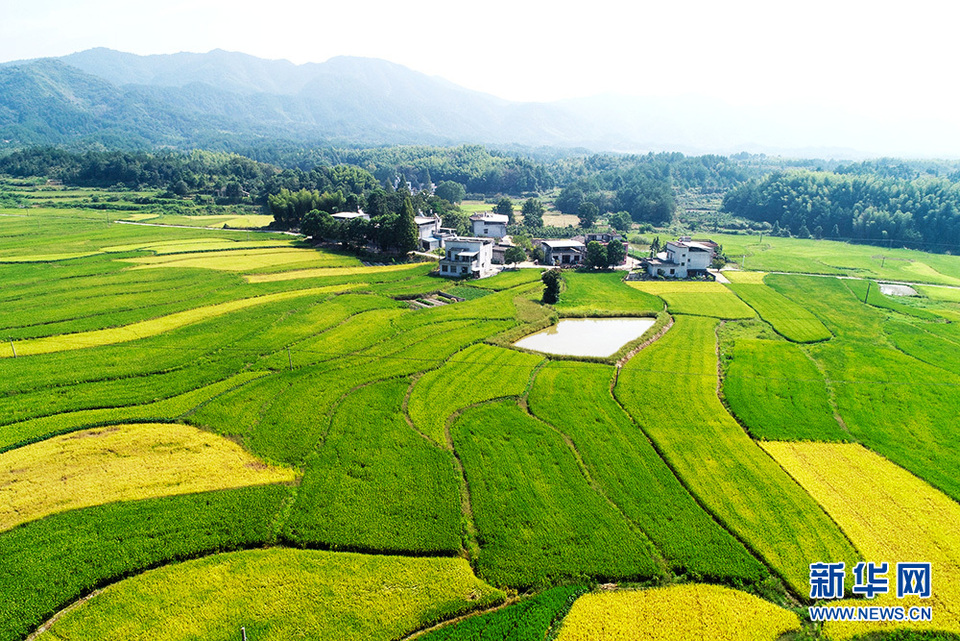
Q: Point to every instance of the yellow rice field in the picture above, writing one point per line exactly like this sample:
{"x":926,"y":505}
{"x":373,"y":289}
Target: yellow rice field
{"x":676,"y":613}
{"x":122,"y":463}
{"x":890,"y":516}
{"x":197,"y":245}
{"x":154,"y":326}
{"x":328,"y":271}
{"x":745,"y":278}
{"x":658,"y":287}
{"x":43,"y":258}
{"x":246,"y":260}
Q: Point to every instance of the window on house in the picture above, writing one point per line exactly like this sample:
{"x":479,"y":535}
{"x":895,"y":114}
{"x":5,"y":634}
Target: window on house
{"x":443,"y":268}
{"x":671,"y":271}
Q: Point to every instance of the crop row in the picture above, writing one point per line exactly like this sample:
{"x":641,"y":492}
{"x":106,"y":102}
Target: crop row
{"x":890,"y":515}
{"x":670,"y":390}
{"x":478,"y":373}
{"x":529,"y":620}
{"x":122,"y":463}
{"x":575,"y":398}
{"x":790,"y":319}
{"x":155,"y":326}
{"x":32,"y":430}
{"x":697,"y":299}
{"x":47,"y":564}
{"x":676,"y":613}
{"x":777,"y":392}
{"x":281,"y":594}
{"x":539,"y":521}
{"x":604,"y":294}
{"x":377,"y":485}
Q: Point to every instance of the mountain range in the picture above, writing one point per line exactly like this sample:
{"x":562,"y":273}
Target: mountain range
{"x":227,"y":99}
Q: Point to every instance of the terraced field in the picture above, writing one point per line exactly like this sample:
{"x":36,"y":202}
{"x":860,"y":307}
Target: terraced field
{"x":254,"y":433}
{"x":670,"y":391}
{"x":696,"y":298}
{"x":890,"y":515}
{"x":676,"y":613}
{"x":281,"y":594}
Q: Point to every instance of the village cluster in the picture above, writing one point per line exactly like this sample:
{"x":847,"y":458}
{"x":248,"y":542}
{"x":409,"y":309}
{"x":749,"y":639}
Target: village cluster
{"x":482,"y":254}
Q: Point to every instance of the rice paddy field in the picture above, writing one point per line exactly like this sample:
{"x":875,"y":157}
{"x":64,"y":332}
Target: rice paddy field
{"x":203,"y":430}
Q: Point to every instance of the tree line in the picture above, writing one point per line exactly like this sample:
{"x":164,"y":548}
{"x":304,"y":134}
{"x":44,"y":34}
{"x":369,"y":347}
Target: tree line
{"x":921,"y":213}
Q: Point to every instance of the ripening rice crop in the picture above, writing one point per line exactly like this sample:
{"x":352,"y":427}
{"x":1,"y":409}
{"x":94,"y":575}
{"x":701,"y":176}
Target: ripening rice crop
{"x":670,"y":389}
{"x":575,"y":398}
{"x":48,"y":564}
{"x":676,"y":613}
{"x":153,"y":326}
{"x":331,"y":271}
{"x":247,"y":260}
{"x":890,"y":515}
{"x":698,"y":298}
{"x":746,"y":278}
{"x":119,"y":463}
{"x":280,"y":594}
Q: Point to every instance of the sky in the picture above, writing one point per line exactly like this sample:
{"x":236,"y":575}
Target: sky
{"x":878,"y":59}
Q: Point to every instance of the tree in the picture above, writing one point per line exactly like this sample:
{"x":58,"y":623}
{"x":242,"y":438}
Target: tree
{"x":452,"y":192}
{"x":596,"y":254}
{"x":616,"y":253}
{"x":406,"y":234}
{"x":533,"y":213}
{"x":655,"y":247}
{"x":587,"y":213}
{"x":514,"y":255}
{"x":505,"y":208}
{"x":621,"y":221}
{"x":551,"y":290}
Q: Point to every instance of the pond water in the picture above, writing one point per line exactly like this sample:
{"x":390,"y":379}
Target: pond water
{"x":587,"y":336}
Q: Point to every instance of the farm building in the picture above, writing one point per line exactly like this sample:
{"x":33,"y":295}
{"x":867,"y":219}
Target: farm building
{"x":681,"y":259}
{"x":489,"y":225}
{"x":601,"y":237}
{"x":467,"y":257}
{"x":563,"y":252}
{"x":432,"y":235}
{"x":350,"y":215}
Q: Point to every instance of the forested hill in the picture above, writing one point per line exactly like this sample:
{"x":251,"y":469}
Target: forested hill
{"x":228,"y":100}
{"x":862,"y":203}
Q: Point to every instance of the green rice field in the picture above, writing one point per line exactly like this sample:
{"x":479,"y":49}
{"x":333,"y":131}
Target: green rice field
{"x":326,"y":461}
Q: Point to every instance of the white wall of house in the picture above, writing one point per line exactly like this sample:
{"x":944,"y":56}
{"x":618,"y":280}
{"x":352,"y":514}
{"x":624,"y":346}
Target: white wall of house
{"x":489,"y":225}
{"x":467,"y":257}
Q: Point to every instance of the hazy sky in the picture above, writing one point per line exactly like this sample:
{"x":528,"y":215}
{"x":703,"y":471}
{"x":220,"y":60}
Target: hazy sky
{"x":877,"y":58}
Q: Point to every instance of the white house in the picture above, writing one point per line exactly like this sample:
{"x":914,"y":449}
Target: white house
{"x":681,"y":259}
{"x":350,"y":215}
{"x":467,"y":257}
{"x":563,"y":252}
{"x":489,"y":225}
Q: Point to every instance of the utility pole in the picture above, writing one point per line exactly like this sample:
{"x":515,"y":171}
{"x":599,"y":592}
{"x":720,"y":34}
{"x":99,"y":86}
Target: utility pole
{"x":243,"y":632}
{"x":13,"y":347}
{"x":289,"y":362}
{"x":882,"y":260}
{"x":743,"y":262}
{"x":869,"y":282}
